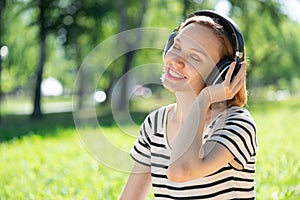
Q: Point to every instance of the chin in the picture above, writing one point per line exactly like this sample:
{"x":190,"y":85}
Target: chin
{"x":173,"y":87}
{"x":168,"y":87}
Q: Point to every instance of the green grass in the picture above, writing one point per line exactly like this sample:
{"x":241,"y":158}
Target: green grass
{"x":37,"y":167}
{"x":46,"y":159}
{"x":278,"y":159}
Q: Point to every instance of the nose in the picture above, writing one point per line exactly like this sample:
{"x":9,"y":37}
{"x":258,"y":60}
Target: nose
{"x":178,"y":60}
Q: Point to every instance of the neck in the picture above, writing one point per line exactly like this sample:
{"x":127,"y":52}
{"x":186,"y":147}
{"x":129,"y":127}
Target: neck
{"x":184,"y":103}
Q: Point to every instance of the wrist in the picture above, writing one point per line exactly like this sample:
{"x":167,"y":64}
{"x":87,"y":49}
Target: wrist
{"x":204,"y":99}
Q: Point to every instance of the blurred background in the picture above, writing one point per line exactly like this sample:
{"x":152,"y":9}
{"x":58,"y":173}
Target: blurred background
{"x":43,"y":45}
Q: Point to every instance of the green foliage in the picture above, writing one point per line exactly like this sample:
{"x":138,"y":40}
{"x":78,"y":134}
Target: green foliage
{"x":50,"y":162}
{"x":268,"y":33}
{"x":75,"y":27}
{"x":21,"y":61}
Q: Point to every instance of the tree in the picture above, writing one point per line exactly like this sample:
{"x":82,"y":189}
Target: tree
{"x":127,"y":22}
{"x":37,"y":113}
{"x":71,"y":20}
{"x":2,"y":3}
{"x":261,"y":37}
{"x":81,"y":19}
{"x":271,"y":38}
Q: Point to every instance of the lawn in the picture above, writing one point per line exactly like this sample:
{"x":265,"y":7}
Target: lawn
{"x":48,"y":161}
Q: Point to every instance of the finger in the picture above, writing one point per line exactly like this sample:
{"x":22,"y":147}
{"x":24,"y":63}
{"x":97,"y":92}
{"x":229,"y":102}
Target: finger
{"x":243,"y":68}
{"x":240,"y":79}
{"x":241,"y":73}
{"x":230,"y":72}
{"x":239,"y":85}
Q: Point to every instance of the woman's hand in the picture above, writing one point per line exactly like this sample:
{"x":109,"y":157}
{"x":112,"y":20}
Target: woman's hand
{"x":226,"y":90}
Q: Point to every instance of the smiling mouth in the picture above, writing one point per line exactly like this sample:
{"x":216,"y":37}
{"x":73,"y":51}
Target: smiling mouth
{"x":175,"y":75}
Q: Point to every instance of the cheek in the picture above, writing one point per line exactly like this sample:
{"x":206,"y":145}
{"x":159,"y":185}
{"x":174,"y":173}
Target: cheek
{"x":197,"y":82}
{"x":167,"y":57}
{"x":203,"y":71}
{"x":198,"y":79}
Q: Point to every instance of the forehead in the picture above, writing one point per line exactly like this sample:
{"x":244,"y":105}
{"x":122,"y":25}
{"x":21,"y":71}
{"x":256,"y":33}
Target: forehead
{"x":201,"y":37}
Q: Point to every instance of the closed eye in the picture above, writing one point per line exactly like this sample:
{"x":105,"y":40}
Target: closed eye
{"x":196,"y":57}
{"x":176,"y":46}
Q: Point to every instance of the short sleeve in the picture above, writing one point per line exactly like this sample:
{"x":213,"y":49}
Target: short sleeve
{"x":238,"y":134}
{"x":141,"y":152}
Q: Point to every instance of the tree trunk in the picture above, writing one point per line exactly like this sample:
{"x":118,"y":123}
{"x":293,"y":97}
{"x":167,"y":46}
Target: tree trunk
{"x":129,"y":56}
{"x":1,"y":8}
{"x":37,"y":113}
{"x":80,"y":74}
{"x":124,"y":94}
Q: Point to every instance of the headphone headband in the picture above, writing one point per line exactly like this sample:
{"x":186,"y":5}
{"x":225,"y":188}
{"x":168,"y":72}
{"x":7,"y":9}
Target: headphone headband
{"x":230,"y":25}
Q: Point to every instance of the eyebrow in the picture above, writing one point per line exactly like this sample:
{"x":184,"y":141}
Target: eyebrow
{"x":202,"y":51}
{"x":176,"y":39}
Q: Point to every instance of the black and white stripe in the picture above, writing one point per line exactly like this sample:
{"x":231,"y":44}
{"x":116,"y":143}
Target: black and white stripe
{"x":235,"y":129}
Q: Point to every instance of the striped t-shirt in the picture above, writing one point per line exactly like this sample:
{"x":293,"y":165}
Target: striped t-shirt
{"x":234,"y":128}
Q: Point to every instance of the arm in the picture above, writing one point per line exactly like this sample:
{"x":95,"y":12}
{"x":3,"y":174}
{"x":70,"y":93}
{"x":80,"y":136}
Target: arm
{"x":190,"y":159}
{"x":138,"y":183}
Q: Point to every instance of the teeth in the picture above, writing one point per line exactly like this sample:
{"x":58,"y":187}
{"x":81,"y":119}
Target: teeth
{"x":172,"y":73}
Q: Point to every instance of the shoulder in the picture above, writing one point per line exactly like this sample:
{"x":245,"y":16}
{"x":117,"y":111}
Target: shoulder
{"x":236,"y":126}
{"x":160,"y":111}
{"x":156,"y":119}
{"x":240,"y":116}
{"x":236,"y":130}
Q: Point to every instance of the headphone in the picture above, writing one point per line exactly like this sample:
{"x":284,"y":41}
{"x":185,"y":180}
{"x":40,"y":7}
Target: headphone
{"x":218,"y":73}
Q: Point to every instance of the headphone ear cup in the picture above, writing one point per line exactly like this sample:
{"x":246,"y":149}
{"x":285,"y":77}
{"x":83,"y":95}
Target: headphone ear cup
{"x":218,"y":73}
{"x":169,"y":42}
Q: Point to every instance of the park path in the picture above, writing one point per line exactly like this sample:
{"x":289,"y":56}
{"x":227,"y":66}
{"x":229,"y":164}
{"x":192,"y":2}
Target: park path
{"x":26,"y":109}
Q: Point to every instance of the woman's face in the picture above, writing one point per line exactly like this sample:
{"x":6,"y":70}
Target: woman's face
{"x":191,"y":58}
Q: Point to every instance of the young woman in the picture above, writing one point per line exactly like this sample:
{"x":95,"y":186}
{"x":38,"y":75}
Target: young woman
{"x":204,"y":145}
